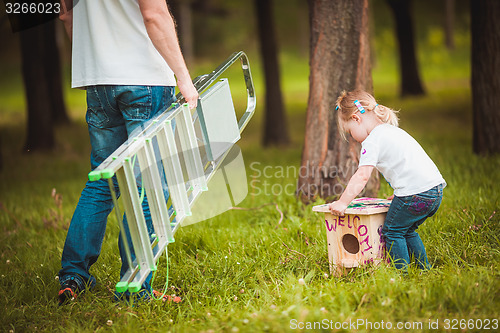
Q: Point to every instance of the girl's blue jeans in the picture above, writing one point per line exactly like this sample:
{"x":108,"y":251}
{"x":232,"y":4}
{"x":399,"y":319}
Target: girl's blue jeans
{"x":113,"y":114}
{"x":404,"y":217}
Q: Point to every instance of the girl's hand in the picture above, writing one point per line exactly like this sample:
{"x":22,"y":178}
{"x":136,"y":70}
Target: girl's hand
{"x":337,"y":208}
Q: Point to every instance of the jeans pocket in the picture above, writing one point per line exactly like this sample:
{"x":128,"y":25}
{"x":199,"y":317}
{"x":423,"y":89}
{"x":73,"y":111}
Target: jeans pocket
{"x":420,"y":205}
{"x":135,"y":101}
{"x":96,"y":114}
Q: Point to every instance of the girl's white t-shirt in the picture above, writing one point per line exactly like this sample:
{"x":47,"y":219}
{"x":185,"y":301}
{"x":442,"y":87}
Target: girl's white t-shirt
{"x":401,"y":160}
{"x":111,"y":46}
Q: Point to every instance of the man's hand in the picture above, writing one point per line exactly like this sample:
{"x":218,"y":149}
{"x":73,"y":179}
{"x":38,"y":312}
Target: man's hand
{"x":337,"y":208}
{"x":391,"y":197}
{"x":189,"y":92}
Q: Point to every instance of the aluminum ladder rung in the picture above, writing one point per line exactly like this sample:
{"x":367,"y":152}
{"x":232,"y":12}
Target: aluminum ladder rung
{"x":173,"y":170}
{"x":190,"y":150}
{"x":153,"y":183}
{"x":136,"y":223}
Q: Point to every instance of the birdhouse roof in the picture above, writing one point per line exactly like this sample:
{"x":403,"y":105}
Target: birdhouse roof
{"x":360,"y":206}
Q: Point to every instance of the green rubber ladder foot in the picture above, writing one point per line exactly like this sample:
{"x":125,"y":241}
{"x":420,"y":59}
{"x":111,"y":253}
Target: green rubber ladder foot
{"x":121,"y":287}
{"x":134,"y":287}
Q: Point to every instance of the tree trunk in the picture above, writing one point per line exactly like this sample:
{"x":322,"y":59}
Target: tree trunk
{"x":1,"y":156}
{"x":40,"y":131}
{"x":410,"y":77}
{"x":275,"y":124}
{"x":53,"y":72}
{"x":182,"y":10}
{"x":485,"y":76}
{"x":449,"y":24}
{"x":41,"y":70}
{"x":339,"y":60}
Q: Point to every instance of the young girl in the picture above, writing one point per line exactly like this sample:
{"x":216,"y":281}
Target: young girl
{"x":417,"y":182}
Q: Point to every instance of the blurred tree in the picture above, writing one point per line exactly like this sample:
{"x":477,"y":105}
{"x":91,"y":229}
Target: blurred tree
{"x":275,"y":123}
{"x":410,"y":77}
{"x":42,"y":82}
{"x":449,"y":24}
{"x":210,"y":19}
{"x":183,"y":14}
{"x":485,"y":76}
{"x":339,"y":60}
{"x":52,"y":62}
{"x":41,"y":72}
{"x":40,"y":125}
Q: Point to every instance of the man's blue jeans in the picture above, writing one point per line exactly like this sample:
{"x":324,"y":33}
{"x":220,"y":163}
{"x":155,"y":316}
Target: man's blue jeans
{"x":113,"y":113}
{"x":405,"y":215}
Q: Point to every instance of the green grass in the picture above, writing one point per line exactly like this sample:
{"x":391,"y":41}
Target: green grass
{"x":239,"y":271}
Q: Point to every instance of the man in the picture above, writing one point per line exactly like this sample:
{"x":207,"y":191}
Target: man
{"x":125,"y":53}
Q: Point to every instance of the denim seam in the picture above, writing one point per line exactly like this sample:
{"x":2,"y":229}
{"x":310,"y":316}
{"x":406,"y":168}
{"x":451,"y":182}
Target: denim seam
{"x":150,"y":101}
{"x":113,"y":96}
{"x":95,"y":112}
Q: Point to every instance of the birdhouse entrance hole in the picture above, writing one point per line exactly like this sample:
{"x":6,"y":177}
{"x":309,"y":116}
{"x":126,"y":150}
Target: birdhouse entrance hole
{"x":350,"y":243}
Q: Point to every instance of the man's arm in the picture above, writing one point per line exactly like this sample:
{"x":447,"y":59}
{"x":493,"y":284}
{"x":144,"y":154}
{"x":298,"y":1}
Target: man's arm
{"x":161,"y":30}
{"x":354,"y":187}
{"x":66,"y":15}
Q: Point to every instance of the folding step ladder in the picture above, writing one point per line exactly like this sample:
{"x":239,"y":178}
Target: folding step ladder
{"x":178,"y":150}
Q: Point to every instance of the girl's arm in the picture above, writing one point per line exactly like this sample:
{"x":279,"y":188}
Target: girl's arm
{"x":354,"y":187}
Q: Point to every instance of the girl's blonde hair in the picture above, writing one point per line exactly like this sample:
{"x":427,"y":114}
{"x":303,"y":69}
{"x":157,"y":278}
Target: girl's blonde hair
{"x":346,"y":107}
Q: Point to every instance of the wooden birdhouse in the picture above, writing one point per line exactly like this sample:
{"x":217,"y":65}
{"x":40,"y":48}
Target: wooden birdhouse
{"x":355,"y":239}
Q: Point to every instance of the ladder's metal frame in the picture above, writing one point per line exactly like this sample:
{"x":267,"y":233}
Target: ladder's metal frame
{"x":157,"y":138}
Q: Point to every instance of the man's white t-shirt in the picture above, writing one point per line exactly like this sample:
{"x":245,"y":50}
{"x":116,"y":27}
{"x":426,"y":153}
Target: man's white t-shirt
{"x":400,"y":159}
{"x":111,"y":46}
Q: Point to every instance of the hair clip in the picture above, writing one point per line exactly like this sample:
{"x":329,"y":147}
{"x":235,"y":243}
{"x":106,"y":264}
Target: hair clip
{"x":336,"y":108}
{"x":359,"y":106}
